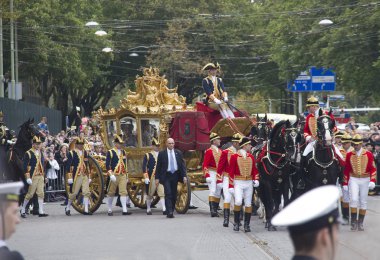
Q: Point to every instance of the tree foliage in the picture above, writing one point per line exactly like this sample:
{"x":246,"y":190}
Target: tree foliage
{"x":260,"y":46}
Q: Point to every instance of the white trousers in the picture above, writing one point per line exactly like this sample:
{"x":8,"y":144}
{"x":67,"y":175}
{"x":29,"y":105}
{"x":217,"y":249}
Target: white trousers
{"x":243,"y":189}
{"x":215,"y":189}
{"x":227,"y":194}
{"x":358,"y":192}
{"x":310,"y":146}
{"x":346,"y":195}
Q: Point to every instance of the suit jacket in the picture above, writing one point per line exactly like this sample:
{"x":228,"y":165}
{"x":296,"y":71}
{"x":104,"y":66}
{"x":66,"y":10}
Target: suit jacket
{"x":162,"y":165}
{"x":5,"y":253}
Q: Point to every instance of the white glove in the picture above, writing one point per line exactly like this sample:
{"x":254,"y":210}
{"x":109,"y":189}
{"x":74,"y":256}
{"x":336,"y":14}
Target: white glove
{"x":70,"y":181}
{"x":146,"y":180}
{"x":255,"y":183}
{"x":345,"y":188}
{"x":371,"y":185}
{"x":113,"y":178}
{"x":89,"y":180}
{"x":217,"y":101}
{"x":232,"y":191}
{"x":29,"y":181}
{"x":226,"y":99}
{"x":208,"y":179}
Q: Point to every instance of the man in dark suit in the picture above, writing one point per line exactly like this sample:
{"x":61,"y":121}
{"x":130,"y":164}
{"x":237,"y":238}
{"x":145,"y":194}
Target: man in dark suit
{"x":170,"y":170}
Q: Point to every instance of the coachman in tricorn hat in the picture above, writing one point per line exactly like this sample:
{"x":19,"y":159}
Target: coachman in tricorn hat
{"x":213,"y":86}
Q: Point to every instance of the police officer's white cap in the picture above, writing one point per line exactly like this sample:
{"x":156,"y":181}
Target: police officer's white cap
{"x":312,"y":211}
{"x":10,"y":191}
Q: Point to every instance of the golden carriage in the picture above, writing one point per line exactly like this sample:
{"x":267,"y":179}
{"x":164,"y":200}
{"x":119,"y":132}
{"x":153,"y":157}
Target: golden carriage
{"x":150,"y":112}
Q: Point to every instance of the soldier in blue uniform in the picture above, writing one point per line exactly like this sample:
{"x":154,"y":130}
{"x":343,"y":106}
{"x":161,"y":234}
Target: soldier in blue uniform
{"x":149,"y":169}
{"x":78,"y":175}
{"x":213,"y":86}
{"x":116,"y":164}
{"x":35,"y":176}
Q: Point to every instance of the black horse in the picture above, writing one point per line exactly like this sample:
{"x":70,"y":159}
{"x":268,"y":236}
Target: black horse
{"x":322,"y":165}
{"x":274,"y":168}
{"x":259,"y":134}
{"x":23,"y":144}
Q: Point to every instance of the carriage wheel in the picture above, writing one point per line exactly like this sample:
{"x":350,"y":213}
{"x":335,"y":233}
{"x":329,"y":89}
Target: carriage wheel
{"x":183,"y":197}
{"x":96,"y":189}
{"x":136,"y":192}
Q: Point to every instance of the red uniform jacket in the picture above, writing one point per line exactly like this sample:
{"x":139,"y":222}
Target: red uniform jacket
{"x":243,"y":168}
{"x":210,"y":161}
{"x":359,"y":166}
{"x":310,"y":128}
{"x":224,"y":164}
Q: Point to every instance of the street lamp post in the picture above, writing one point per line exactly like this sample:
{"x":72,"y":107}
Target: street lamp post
{"x":1,"y":56}
{"x":13,"y":87}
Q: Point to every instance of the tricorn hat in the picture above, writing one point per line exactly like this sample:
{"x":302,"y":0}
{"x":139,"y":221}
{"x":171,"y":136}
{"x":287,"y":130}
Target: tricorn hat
{"x":346,"y":138}
{"x":79,"y":140}
{"x":357,"y":139}
{"x":243,"y":141}
{"x":210,"y":66}
{"x":155,"y":142}
{"x":36,"y":140}
{"x":214,"y":136}
{"x":312,"y":101}
{"x":236,"y":137}
{"x":117,"y":139}
{"x":339,"y":134}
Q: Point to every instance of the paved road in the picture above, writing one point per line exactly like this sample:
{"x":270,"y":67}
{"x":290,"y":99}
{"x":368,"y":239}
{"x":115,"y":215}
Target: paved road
{"x":191,"y":236}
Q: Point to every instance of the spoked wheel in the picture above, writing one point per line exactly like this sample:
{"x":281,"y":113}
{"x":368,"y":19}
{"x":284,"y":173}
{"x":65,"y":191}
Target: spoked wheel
{"x":136,"y":192}
{"x":96,"y":188}
{"x":183,"y":197}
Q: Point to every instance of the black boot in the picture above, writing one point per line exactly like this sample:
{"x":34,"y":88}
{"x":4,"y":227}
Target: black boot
{"x":360,"y":222}
{"x":247,"y":221}
{"x":301,"y":171}
{"x":214,"y":209}
{"x":345,"y":215}
{"x":354,"y":221}
{"x":226,"y":217}
{"x":237,"y":220}
{"x":210,"y":203}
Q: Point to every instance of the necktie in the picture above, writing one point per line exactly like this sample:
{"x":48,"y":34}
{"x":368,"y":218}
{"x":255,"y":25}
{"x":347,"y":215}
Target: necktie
{"x":171,"y":166}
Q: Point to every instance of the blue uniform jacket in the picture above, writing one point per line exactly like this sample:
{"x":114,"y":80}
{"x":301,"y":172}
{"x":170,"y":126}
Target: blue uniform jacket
{"x":30,"y":162}
{"x":149,"y":163}
{"x":209,"y":87}
{"x":74,"y":160}
{"x":112,"y":160}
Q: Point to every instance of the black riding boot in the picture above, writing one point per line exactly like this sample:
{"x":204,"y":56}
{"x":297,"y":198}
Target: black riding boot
{"x":345,"y":214}
{"x":214,"y":209}
{"x":226,"y":217}
{"x":236,"y":220}
{"x":247,"y":221}
{"x":354,"y":221}
{"x":360,"y":222}
{"x":301,"y":171}
{"x":210,"y":203}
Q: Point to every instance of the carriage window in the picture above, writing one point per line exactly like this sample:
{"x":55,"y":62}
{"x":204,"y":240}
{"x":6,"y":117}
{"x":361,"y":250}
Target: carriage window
{"x":149,"y":130}
{"x":111,"y":131}
{"x":129,"y":131}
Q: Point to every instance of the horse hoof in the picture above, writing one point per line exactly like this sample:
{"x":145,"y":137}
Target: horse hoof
{"x":272,"y":228}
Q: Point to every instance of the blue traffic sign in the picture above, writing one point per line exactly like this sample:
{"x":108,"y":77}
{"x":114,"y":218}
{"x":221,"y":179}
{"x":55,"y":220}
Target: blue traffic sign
{"x":313,"y":80}
{"x":322,"y":79}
